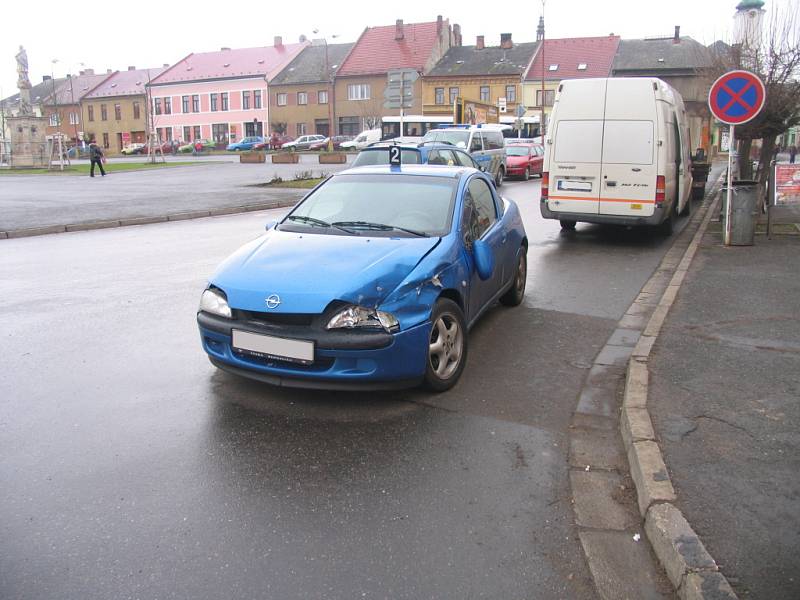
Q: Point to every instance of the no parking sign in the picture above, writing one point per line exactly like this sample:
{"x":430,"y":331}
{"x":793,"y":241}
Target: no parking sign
{"x":736,"y":97}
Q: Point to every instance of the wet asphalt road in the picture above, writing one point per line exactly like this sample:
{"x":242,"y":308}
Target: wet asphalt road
{"x":131,"y":468}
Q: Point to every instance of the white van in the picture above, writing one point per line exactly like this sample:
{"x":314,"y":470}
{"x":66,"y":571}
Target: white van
{"x":617,"y":151}
{"x":363,"y":139}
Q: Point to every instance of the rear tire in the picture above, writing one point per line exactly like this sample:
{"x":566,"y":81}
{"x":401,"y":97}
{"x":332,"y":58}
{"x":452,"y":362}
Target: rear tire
{"x":567,"y":225}
{"x":687,"y":208}
{"x":668,"y":225}
{"x":447,"y":346}
{"x":515,"y":294}
{"x":501,"y":173}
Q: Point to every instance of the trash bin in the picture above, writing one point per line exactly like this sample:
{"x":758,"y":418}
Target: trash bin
{"x":744,"y":214}
{"x":700,"y":172}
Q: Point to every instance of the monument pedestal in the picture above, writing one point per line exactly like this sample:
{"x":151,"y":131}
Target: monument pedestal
{"x":28,"y":141}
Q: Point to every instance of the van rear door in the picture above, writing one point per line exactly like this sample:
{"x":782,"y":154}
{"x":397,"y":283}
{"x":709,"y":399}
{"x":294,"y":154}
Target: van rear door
{"x":575,"y":147}
{"x":629,"y":151}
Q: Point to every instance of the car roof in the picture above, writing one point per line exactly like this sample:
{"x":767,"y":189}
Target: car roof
{"x":432,"y":170}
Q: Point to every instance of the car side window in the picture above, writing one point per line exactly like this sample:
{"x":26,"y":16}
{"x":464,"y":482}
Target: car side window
{"x":465,"y":160}
{"x":436,"y":157}
{"x":483,"y":215}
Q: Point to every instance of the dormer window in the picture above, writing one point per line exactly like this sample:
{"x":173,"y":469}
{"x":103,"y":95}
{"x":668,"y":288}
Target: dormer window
{"x":552,"y":68}
{"x":582,"y":67}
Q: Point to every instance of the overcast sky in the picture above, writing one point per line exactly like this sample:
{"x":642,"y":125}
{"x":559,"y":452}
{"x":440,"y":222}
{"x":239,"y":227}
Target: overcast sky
{"x":147,"y":33}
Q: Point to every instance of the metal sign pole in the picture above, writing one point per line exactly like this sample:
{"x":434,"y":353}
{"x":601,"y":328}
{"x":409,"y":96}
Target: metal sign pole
{"x":729,"y":207}
{"x":402,"y":101}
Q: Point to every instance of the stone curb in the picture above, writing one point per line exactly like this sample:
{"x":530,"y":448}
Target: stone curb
{"x":689,"y":567}
{"x":130,"y":221}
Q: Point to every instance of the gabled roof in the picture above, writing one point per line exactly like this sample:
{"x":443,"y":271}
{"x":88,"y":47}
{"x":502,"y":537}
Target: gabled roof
{"x":594,"y":54}
{"x":40,"y":93}
{"x":265,"y":61}
{"x":494,"y":60}
{"x":377,"y":51}
{"x":661,"y":54}
{"x":71,"y":92}
{"x":309,"y":65}
{"x":125,"y":83}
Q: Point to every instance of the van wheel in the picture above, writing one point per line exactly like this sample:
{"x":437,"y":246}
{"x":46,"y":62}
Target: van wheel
{"x":527,"y":175}
{"x":447,"y":346}
{"x":668,"y":225}
{"x":687,"y":209}
{"x":567,"y":225}
{"x":498,"y":181}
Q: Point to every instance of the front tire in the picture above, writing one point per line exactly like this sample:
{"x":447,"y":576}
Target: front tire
{"x":447,"y":346}
{"x":515,"y":294}
{"x":501,"y":173}
{"x":527,"y":174}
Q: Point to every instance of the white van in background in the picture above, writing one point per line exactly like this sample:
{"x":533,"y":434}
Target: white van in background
{"x":363,"y":139}
{"x":617,"y":151}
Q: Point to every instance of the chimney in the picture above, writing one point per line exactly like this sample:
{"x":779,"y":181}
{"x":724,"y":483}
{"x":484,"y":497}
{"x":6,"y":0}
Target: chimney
{"x":438,"y":23}
{"x":131,"y":68}
{"x":302,"y":39}
{"x":109,"y":71}
{"x":165,"y":65}
{"x":677,"y":38}
{"x":505,"y":41}
{"x":278,"y":41}
{"x":398,"y":29}
{"x":479,"y":43}
{"x":81,"y":72}
{"x":224,"y":49}
{"x":89,"y":72}
{"x":456,"y":34}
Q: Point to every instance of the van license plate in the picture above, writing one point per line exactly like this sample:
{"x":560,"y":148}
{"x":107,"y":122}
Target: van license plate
{"x":267,"y":346}
{"x":565,"y":185}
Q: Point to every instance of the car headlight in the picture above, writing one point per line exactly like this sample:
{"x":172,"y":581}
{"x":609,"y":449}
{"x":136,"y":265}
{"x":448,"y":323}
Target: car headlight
{"x":214,"y":301}
{"x":359,"y":316}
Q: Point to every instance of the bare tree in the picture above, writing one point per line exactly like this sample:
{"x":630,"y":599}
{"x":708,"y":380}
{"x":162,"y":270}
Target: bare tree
{"x":775,"y":58}
{"x":370,"y":112}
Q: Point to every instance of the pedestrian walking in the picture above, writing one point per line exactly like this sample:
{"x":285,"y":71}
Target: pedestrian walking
{"x":96,"y":157}
{"x":792,"y":154}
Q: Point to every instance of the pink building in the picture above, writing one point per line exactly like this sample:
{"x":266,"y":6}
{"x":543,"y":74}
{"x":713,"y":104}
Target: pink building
{"x":218,"y":95}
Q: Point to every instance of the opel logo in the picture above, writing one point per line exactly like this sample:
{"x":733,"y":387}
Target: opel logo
{"x":273,"y":301}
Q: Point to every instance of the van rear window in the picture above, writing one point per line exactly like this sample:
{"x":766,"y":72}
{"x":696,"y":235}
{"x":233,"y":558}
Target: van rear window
{"x":628,"y":142}
{"x":578,"y":141}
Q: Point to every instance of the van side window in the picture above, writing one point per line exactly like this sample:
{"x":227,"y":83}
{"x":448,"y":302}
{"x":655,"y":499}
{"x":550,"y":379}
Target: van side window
{"x":479,"y":195}
{"x":493,"y":139}
{"x":476,"y":145}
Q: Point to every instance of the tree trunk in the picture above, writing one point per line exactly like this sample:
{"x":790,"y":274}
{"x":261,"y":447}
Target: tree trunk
{"x":744,"y":163}
{"x":764,"y":166}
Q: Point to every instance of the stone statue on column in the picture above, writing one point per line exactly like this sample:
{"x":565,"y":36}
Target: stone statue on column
{"x":23,"y":82}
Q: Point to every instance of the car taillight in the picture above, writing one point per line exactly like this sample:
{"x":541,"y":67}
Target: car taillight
{"x":545,"y":185}
{"x":661,"y":192}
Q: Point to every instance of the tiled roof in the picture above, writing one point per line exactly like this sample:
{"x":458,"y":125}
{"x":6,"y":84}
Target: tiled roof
{"x":661,"y":55}
{"x":266,"y":61}
{"x":377,"y":52}
{"x":596,"y":53}
{"x":40,"y":93}
{"x":309,"y":65}
{"x":494,"y":60}
{"x":125,"y":83}
{"x":71,"y":92}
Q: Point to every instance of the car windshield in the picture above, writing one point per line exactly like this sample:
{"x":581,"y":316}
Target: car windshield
{"x":517,"y":151}
{"x":377,"y":205}
{"x":380,"y":156}
{"x":457,"y":138}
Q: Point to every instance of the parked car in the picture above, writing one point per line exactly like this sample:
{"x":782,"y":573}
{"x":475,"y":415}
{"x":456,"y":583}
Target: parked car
{"x":77,"y":152}
{"x":524,"y":160}
{"x":413,"y":154}
{"x":337,"y":141}
{"x":166,"y":147}
{"x":275,"y":142}
{"x":303,"y":142}
{"x":310,"y":304}
{"x":363,"y":139}
{"x":132,"y":149}
{"x":203,"y":144}
{"x":246,"y":143}
{"x":484,"y":143}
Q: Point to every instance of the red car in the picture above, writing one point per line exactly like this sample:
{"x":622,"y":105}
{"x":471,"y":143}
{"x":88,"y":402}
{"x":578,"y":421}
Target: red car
{"x":337,"y":143}
{"x":524,"y":160}
{"x":274,"y":142}
{"x":166,"y":148}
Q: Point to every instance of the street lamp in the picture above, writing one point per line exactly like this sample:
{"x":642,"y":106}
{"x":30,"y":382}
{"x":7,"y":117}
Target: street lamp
{"x":541,"y":125}
{"x":331,"y":90}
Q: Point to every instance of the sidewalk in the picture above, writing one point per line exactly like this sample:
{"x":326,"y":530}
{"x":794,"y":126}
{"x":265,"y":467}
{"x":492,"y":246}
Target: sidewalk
{"x":724,"y":397}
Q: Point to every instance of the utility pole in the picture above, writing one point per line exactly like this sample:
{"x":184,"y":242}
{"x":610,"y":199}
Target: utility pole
{"x":541,"y":125}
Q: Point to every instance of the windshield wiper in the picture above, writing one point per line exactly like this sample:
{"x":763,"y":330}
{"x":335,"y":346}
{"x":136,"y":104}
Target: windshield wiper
{"x":317,"y":222}
{"x":380,"y":227}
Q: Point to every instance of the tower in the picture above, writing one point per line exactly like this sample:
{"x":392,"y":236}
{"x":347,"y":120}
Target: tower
{"x":747,"y":23}
{"x":540,"y":29}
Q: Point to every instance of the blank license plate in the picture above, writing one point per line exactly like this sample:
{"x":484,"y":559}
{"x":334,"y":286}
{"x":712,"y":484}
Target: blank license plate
{"x":565,"y":185}
{"x":274,"y":347}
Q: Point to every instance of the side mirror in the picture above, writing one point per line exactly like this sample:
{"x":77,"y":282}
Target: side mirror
{"x":484,"y":260}
{"x":270,"y":225}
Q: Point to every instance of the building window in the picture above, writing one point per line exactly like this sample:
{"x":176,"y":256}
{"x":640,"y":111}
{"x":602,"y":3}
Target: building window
{"x":224,"y":100}
{"x":90,"y":110}
{"x":552,"y":68}
{"x":486,"y":94}
{"x":358,"y":91}
{"x":349,"y":125}
{"x":439,"y":95}
{"x":167,"y":105}
{"x":549,"y":96}
{"x":104,"y":113}
{"x":214,"y":103}
{"x":105,"y":139}
{"x":245,"y":100}
{"x":136,"y":112}
{"x":187,"y":134}
{"x":453,"y":94}
{"x":511,"y":93}
{"x":54,"y":120}
{"x":219,"y":131}
{"x":196,"y":132}
{"x":157,"y":106}
{"x":582,"y":66}
{"x":302,"y":97}
{"x":185,"y":104}
{"x":117,"y":112}
{"x":301,"y":129}
{"x":256,"y":98}
{"x":73,"y":118}
{"x":322,"y":97}
{"x":195,"y":103}
{"x":281,"y":99}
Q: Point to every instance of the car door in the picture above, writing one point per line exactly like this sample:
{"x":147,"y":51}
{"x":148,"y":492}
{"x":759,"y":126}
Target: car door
{"x":477,"y":151}
{"x":480,"y":222}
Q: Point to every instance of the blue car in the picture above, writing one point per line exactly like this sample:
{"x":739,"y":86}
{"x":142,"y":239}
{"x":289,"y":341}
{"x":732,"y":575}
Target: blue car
{"x":245,"y":143}
{"x":431,"y":153}
{"x":372,"y":281}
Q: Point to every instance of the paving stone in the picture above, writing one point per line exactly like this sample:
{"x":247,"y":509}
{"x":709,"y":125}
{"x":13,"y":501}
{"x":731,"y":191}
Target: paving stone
{"x":596,"y":506}
{"x":590,"y":421}
{"x":596,"y":448}
{"x":633,"y":322}
{"x":92,"y":226}
{"x":624,"y":337}
{"x":650,"y":475}
{"x":613,"y":355}
{"x":636,"y":426}
{"x":600,"y":401}
{"x":636,"y":383}
{"x":707,"y":585}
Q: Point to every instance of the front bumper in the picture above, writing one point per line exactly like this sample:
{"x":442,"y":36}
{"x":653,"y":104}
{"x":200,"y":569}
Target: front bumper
{"x":660,"y":213}
{"x":343,"y":359}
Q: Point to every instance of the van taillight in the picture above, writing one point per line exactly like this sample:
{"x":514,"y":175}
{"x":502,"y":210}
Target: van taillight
{"x":661,"y":192}
{"x":545,"y":186}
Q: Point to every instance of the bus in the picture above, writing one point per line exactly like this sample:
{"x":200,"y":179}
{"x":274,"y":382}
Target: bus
{"x":413,"y":125}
